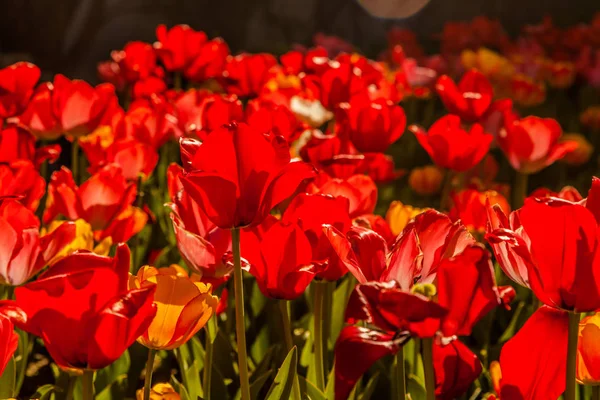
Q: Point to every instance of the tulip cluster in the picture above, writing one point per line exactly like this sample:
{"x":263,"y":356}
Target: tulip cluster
{"x":298,"y":226}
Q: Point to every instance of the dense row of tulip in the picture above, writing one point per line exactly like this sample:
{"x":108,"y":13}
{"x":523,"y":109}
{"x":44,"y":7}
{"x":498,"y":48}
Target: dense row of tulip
{"x":252,"y":203}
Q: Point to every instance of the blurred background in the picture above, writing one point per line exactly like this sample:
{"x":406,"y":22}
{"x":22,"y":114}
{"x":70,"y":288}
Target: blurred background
{"x":72,"y":36}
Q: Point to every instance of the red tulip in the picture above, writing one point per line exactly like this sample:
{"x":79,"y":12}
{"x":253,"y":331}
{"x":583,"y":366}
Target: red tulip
{"x":70,"y":107}
{"x":337,"y":84}
{"x":17,"y":143}
{"x":83,"y":311}
{"x":201,"y":112}
{"x":279,"y":256}
{"x":246,"y":74}
{"x":136,"y":61}
{"x":199,"y":241}
{"x":371,"y":126}
{"x":267,"y":116}
{"x":16,"y":87}
{"x":238,"y":175}
{"x":210,"y":61}
{"x":360,"y":190}
{"x":568,"y":193}
{"x":470,"y":99}
{"x":9,"y":340}
{"x":550,"y":246}
{"x":24,"y":251}
{"x":532,"y":143}
{"x":22,"y":179}
{"x":378,"y":224}
{"x":178,"y":46}
{"x":104,"y":201}
{"x":334,"y":154}
{"x":470,"y":207}
{"x":449,"y":146}
{"x":294,"y":62}
{"x":456,"y":368}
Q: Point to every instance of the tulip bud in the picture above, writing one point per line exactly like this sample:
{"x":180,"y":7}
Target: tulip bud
{"x":426,"y":180}
{"x":588,"y":357}
{"x":582,"y":152}
{"x":184,"y":305}
{"x":160,"y":391}
{"x":399,"y":215}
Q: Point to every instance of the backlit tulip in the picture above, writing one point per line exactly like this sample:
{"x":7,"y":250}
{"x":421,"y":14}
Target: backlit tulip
{"x":339,"y":83}
{"x":245,"y":74}
{"x":178,"y":46}
{"x":83,"y":239}
{"x":470,"y":99}
{"x":399,"y":215}
{"x":160,"y":391}
{"x":588,"y":353}
{"x":17,"y":143}
{"x":183,"y":305}
{"x":279,"y":256}
{"x":24,"y":251}
{"x":200,"y":112}
{"x":452,"y":147}
{"x":470,"y":207}
{"x":201,"y":243}
{"x":83,"y":311}
{"x":426,"y":180}
{"x":526,"y":91}
{"x":16,"y":87}
{"x":567,"y":193}
{"x":582,"y":153}
{"x":9,"y":341}
{"x":360,"y":190}
{"x":267,"y":116}
{"x":456,"y":368}
{"x":104,"y":201}
{"x":21,"y":179}
{"x":371,"y":126}
{"x":550,"y":246}
{"x":70,"y":107}
{"x":210,"y":62}
{"x":137,"y":61}
{"x":238,"y":175}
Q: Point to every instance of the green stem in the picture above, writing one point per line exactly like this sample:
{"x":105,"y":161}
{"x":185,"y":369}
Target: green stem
{"x":208,"y":360}
{"x":88,"y":384}
{"x":138,"y":250}
{"x":289,"y":343}
{"x":400,"y":378}
{"x":446,"y":190}
{"x":240,"y":324}
{"x":595,"y":392}
{"x":149,"y":370}
{"x":572,"y":356}
{"x":427,"y":353}
{"x":177,"y":81}
{"x":417,"y":350}
{"x":71,"y":387}
{"x":75,"y":160}
{"x":319,"y":311}
{"x":520,"y":190}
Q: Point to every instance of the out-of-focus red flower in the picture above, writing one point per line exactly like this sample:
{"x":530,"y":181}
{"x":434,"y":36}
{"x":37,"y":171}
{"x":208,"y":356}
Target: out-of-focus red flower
{"x":539,"y":342}
{"x":559,"y":74}
{"x":17,"y":143}
{"x":149,"y":87}
{"x":582,"y":153}
{"x":550,"y":246}
{"x":22,"y":179}
{"x":70,"y":107}
{"x":334,"y":45}
{"x":532,"y":143}
{"x":333,"y":154}
{"x":267,"y":116}
{"x":25,"y":251}
{"x":312,"y":61}
{"x":150,"y":122}
{"x":456,"y":368}
{"x":470,"y":99}
{"x":178,"y":46}
{"x":9,"y":340}
{"x":450,"y":146}
{"x":426,"y":180}
{"x":109,"y":71}
{"x":279,"y":256}
{"x":201,"y":243}
{"x":246,"y":74}
{"x":83,"y":311}
{"x":526,"y":91}
{"x":210,"y":61}
{"x":310,"y":212}
{"x":380,"y":167}
{"x":104,"y":201}
{"x":136,"y":61}
{"x":399,"y":215}
{"x":470,"y":207}
{"x":200,"y":112}
{"x":568,"y":193}
{"x":238,"y":174}
{"x":371,"y":126}
{"x":338,"y":84}
{"x":16,"y":87}
{"x":590,"y":118}
{"x":360,"y":190}
{"x":587,"y":351}
{"x":414,"y":79}
{"x":134,"y":157}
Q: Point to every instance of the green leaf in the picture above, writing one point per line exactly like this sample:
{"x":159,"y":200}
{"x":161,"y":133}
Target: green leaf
{"x":194,"y":386}
{"x":338,"y":309}
{"x":282,"y":386}
{"x":513,"y":325}
{"x":416,"y":387}
{"x":330,"y":387}
{"x":115,"y":390}
{"x":8,"y":380}
{"x":45,"y":392}
{"x":22,"y":356}
{"x":107,"y":376}
{"x":310,"y":390}
{"x":370,"y":388}
{"x":256,"y":386}
{"x":212,"y":328}
{"x":179,"y":388}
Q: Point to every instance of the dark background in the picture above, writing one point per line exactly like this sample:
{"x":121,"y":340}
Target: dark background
{"x":71,"y":36}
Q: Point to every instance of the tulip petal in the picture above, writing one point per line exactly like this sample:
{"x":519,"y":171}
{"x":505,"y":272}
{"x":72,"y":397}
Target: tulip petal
{"x":456,"y":368}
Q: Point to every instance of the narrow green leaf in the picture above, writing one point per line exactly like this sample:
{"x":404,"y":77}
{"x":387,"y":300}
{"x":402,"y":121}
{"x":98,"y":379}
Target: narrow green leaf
{"x":8,"y":380}
{"x":370,"y":388}
{"x":282,"y":386}
{"x":338,"y":309}
{"x":45,"y":392}
{"x":107,"y":376}
{"x":416,"y":387}
{"x":330,"y":388}
{"x":179,"y":388}
{"x":513,"y":325}
{"x":310,"y":390}
{"x":115,"y":390}
{"x":193,"y":385}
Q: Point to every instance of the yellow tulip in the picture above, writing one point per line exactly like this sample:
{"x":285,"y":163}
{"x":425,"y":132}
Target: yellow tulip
{"x":84,"y":240}
{"x":184,"y":305}
{"x":160,"y":391}
{"x":399,"y":215}
{"x":489,"y":63}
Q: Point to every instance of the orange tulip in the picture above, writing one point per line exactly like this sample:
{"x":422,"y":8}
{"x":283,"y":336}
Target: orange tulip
{"x":160,"y":391}
{"x":184,"y":305}
{"x":588,"y":351}
{"x":83,"y":240}
{"x":583,"y":151}
{"x":426,"y":180}
{"x":399,"y":215}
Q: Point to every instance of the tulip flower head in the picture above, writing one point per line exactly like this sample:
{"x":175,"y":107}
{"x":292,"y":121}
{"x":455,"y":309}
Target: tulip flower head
{"x":9,"y":341}
{"x":470,"y":99}
{"x":17,"y":82}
